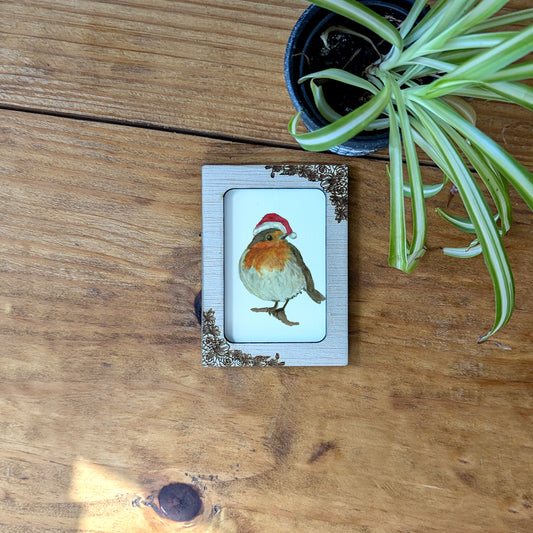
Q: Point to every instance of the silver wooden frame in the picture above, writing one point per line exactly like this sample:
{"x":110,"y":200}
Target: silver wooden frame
{"x":216,"y":349}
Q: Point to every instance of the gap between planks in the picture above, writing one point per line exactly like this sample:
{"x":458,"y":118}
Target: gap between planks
{"x":170,"y":129}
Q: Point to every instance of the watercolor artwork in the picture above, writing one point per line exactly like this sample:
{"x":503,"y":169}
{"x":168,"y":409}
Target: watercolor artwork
{"x":273,"y":269}
{"x":274,"y":265}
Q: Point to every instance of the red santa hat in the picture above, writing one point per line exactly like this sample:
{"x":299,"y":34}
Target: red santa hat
{"x":274,"y":221}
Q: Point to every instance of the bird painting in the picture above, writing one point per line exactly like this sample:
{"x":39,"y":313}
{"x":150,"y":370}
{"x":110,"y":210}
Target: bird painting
{"x":273,"y":269}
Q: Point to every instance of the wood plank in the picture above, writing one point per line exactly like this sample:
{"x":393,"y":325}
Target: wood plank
{"x":199,"y":66}
{"x":103,"y":398}
{"x":207,"y":67}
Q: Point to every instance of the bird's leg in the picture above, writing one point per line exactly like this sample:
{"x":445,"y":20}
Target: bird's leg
{"x":280,"y":315}
{"x":269,"y":310}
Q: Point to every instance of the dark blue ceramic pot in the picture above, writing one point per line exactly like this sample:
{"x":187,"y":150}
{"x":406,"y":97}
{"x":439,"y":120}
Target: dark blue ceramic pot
{"x":302,"y":43}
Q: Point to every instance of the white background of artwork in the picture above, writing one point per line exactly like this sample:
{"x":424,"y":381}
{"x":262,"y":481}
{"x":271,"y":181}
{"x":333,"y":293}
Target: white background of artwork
{"x":305,"y":210}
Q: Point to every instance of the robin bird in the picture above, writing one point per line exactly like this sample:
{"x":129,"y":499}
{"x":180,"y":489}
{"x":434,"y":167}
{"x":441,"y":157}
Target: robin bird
{"x":273,"y":269}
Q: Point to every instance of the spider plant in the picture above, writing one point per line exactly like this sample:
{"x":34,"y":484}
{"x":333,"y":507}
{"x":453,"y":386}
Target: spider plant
{"x":456,"y":50}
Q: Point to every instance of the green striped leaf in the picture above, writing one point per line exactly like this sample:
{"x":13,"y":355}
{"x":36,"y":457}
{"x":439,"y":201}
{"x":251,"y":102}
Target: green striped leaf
{"x":479,"y":213}
{"x":464,"y":253}
{"x":427,"y":190}
{"x":416,"y":249}
{"x":342,"y":129}
{"x":487,"y":62}
{"x":397,"y":231}
{"x":517,"y":175}
{"x":463,"y":224}
{"x":523,"y":15}
{"x":365,"y":16}
{"x":323,"y":107}
{"x":515,"y":72}
{"x":337,"y":74}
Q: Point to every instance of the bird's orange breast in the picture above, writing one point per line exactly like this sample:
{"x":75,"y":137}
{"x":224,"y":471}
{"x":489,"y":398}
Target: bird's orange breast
{"x":266,"y":256}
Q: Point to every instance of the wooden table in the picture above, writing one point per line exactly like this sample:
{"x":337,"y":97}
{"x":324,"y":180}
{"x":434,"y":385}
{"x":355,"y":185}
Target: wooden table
{"x":108,"y":110}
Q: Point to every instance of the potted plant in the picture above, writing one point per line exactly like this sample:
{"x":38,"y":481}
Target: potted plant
{"x":322,"y":39}
{"x":425,"y":67}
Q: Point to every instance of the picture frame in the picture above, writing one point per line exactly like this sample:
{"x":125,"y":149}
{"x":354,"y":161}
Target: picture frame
{"x":274,"y":265}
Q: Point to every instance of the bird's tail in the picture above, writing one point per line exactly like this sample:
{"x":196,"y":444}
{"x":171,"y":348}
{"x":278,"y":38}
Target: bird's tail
{"x":315,"y":295}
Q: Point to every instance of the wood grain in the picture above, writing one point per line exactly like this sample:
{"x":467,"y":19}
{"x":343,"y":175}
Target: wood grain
{"x":103,"y":398}
{"x":213,"y":68}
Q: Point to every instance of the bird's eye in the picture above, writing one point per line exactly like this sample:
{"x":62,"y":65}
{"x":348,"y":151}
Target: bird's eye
{"x":269,"y":237}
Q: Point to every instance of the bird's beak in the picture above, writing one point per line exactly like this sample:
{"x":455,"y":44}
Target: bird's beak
{"x":284,"y":236}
